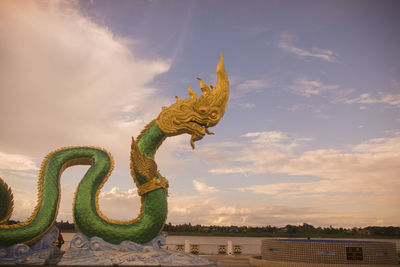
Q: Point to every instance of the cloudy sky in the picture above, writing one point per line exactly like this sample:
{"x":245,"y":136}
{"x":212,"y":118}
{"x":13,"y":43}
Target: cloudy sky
{"x":312,"y":128}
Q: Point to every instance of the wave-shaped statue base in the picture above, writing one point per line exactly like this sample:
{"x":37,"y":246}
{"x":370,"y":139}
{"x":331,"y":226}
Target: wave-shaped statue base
{"x":96,"y":251}
{"x":39,"y":253}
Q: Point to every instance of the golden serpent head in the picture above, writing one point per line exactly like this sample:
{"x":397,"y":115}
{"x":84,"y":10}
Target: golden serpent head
{"x":195,"y":115}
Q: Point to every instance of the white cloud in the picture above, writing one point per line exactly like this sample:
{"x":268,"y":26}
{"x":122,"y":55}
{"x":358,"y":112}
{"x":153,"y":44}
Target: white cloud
{"x":128,"y":203}
{"x":16,"y":162}
{"x":242,"y":87}
{"x":317,"y":110}
{"x":391,"y":99}
{"x":66,"y":203}
{"x":382,"y":98}
{"x":323,"y":54}
{"x":267,"y":137}
{"x":24,"y":203}
{"x":247,"y":105}
{"x":203,"y":188}
{"x":307,"y":87}
{"x":276,"y":189}
{"x":251,"y":85}
{"x":273,"y":140}
{"x":369,"y":168}
{"x":207,"y":210}
{"x":395,"y":83}
{"x":212,"y":211}
{"x":379,"y":145}
{"x":68,"y":81}
{"x":116,"y":193}
{"x":365,"y":175}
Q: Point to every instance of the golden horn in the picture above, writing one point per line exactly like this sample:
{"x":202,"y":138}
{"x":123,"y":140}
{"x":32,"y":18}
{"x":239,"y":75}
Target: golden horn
{"x":192,"y":93}
{"x":221,"y":89}
{"x":204,"y":88}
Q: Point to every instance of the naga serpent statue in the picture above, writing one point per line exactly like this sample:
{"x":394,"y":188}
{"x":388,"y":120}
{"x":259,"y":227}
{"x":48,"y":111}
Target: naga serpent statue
{"x":192,"y":116}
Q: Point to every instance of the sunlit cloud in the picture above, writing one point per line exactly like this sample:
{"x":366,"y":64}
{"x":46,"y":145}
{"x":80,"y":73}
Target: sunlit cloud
{"x":251,"y":85}
{"x":244,"y":87}
{"x":212,"y":211}
{"x":360,"y":174}
{"x":69,"y":81}
{"x":395,"y":83}
{"x":203,"y":188}
{"x":16,"y":162}
{"x":323,"y":54}
{"x":368,"y":99}
{"x":266,"y":137}
{"x":308,"y":87}
{"x":247,"y":105}
{"x":276,"y":140}
{"x":317,"y":110}
{"x":128,"y":203}
{"x":24,"y":203}
{"x":368,"y":168}
{"x":380,"y":145}
{"x":328,"y":163}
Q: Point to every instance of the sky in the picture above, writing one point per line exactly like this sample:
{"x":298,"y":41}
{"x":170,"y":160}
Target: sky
{"x":311,"y":133}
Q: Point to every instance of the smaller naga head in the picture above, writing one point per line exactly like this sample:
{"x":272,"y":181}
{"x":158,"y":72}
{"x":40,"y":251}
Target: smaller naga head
{"x":195,"y":115}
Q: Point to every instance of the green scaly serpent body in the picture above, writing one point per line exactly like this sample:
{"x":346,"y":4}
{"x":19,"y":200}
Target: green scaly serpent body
{"x":87,"y":216}
{"x":191,"y":116}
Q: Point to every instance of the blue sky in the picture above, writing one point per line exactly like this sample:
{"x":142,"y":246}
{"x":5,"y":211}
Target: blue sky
{"x":311,"y":132}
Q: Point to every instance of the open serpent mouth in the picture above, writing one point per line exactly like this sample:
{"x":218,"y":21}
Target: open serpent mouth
{"x":198,"y":131}
{"x":202,"y":125}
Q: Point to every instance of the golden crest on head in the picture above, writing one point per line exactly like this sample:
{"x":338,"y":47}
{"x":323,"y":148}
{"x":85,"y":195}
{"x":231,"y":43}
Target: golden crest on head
{"x":195,"y":115}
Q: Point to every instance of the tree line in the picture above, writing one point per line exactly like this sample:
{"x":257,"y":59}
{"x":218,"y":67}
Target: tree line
{"x":304,"y":230}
